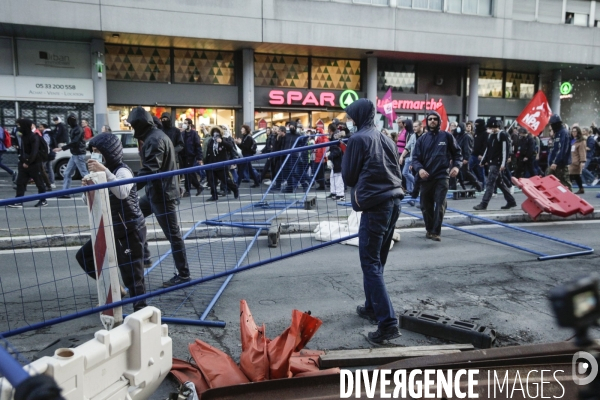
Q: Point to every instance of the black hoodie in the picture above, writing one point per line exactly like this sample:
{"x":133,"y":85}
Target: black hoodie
{"x":464,"y":140}
{"x":172,"y":132}
{"x":30,"y":143}
{"x":77,"y":143}
{"x":157,"y":155}
{"x":480,"y":138}
{"x":370,"y":163}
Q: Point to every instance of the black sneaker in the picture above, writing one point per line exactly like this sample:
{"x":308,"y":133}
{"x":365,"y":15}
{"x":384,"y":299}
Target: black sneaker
{"x":65,"y":196}
{"x":147,"y":263}
{"x":340,"y":198}
{"x":177,"y":280}
{"x":18,"y":205}
{"x":236,"y":194}
{"x":366,"y":314}
{"x":186,"y":194}
{"x":379,"y":336}
{"x":508,"y":206}
{"x":41,"y":203}
{"x":199,"y":190}
{"x":332,"y":196}
{"x":479,"y":207}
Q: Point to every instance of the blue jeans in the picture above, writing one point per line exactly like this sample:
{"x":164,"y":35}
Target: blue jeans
{"x":374,"y":238}
{"x":75,"y":161}
{"x":477,"y":170}
{"x":407,"y":173}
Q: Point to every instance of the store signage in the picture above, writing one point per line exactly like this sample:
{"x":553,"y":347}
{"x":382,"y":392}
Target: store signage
{"x":295,"y":98}
{"x":565,"y":90}
{"x":54,"y":89}
{"x":348,"y":97}
{"x":262,"y":124}
{"x":416,"y":105}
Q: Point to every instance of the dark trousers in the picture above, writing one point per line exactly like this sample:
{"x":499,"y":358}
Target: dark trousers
{"x":465,"y":174}
{"x":496,"y":180}
{"x":433,"y":204}
{"x":223,"y":175}
{"x":191,"y":178}
{"x":524,"y":168}
{"x":166,"y":215}
{"x":478,"y":170}
{"x":130,"y":257}
{"x":244,"y":169}
{"x":577,"y":179}
{"x":269,"y":168}
{"x":34,"y":172}
{"x":374,"y":238}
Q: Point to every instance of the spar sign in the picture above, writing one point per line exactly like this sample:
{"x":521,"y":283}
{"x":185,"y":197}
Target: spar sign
{"x":536,"y":115}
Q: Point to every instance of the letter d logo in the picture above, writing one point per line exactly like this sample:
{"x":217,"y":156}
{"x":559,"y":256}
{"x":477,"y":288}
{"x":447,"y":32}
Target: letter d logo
{"x":581,"y":367}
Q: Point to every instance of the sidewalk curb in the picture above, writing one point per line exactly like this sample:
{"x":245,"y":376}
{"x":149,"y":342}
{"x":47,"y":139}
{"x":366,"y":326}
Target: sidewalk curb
{"x":209,"y":232}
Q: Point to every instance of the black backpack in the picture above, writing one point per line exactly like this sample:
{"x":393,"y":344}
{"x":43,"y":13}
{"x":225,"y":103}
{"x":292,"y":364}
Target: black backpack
{"x":43,"y":149}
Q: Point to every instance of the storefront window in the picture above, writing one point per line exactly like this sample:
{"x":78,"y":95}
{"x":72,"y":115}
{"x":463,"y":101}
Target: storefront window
{"x":280,"y":71}
{"x":206,"y":67}
{"x":519,"y":85}
{"x":117,"y":116}
{"x":400,"y":77}
{"x":225,"y":118}
{"x":136,"y":63}
{"x":490,"y":83}
{"x":329,"y":73}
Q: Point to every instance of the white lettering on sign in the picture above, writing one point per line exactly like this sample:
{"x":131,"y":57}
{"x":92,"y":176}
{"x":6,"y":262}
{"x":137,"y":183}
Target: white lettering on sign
{"x":531,"y":119}
{"x":54,"y":89}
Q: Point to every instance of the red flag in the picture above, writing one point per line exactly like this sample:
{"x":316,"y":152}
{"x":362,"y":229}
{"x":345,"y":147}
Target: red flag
{"x":536,"y":115}
{"x":384,"y":106}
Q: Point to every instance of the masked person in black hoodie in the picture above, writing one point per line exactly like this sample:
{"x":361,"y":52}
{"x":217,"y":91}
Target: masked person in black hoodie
{"x":219,"y":150}
{"x":158,"y":155}
{"x":77,"y":147}
{"x":370,"y":166}
{"x":30,"y":162}
{"x":434,"y":152}
{"x":559,"y":156}
{"x":525,"y":154}
{"x":172,"y":132}
{"x":480,"y":137}
{"x":496,"y":155}
{"x":465,"y":142}
{"x":129,"y":224}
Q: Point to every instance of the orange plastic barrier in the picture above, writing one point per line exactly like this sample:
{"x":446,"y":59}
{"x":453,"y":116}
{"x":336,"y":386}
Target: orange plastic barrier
{"x":547,"y":194}
{"x":217,"y":367}
{"x":184,"y":372}
{"x":254,"y":360}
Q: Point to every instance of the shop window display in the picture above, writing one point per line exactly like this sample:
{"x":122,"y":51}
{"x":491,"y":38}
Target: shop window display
{"x":490,"y":83}
{"x":519,"y":85}
{"x":136,"y":63}
{"x":328,"y":73}
{"x":280,"y":71}
{"x":207,"y":117}
{"x":120,"y":114}
{"x":206,"y":67}
{"x":400,"y":77}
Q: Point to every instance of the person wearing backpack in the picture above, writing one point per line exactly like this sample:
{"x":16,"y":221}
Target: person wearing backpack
{"x":5,"y":144}
{"x":30,"y":162}
{"x":248,"y":146}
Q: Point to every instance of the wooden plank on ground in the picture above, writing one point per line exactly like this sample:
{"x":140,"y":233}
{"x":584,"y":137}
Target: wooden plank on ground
{"x":379,"y":356}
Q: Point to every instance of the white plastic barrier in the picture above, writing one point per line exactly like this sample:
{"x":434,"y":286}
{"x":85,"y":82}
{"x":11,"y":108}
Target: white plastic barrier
{"x":126,"y":363}
{"x":329,"y":230}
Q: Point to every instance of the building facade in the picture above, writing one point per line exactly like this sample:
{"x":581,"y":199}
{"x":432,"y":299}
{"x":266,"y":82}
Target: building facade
{"x":264,"y":62}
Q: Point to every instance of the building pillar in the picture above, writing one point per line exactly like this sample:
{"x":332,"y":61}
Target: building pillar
{"x":372,"y":80}
{"x":555,"y":102}
{"x":99,"y":82}
{"x":248,"y":87}
{"x":473,"y":110}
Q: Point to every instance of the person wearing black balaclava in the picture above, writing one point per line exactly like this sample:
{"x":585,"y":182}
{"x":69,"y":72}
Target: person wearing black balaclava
{"x":219,"y":150}
{"x":30,"y":162}
{"x":480,"y":137}
{"x":370,"y":166}
{"x":172,"y":132}
{"x":465,"y":141}
{"x":129,"y":226}
{"x":77,"y":147}
{"x":559,"y":157}
{"x":191,"y":156}
{"x":158,"y":155}
{"x":434,"y":152}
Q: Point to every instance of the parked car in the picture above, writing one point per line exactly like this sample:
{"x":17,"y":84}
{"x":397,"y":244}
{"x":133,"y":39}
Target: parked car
{"x":130,"y":156}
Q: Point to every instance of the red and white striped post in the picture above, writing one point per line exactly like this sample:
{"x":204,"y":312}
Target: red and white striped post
{"x":105,"y":256}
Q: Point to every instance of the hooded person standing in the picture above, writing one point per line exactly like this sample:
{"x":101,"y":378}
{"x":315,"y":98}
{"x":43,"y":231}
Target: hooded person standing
{"x":480,"y":137}
{"x":219,"y":150}
{"x":434,"y":152}
{"x":370,"y":166}
{"x":466,"y":143}
{"x":248,"y":146}
{"x":129,"y":224}
{"x":61,"y":133}
{"x":172,"y":132}
{"x":559,"y":157}
{"x":30,"y":162}
{"x":158,"y":155}
{"x":496,"y":155}
{"x":77,"y":148}
{"x":190,"y":157}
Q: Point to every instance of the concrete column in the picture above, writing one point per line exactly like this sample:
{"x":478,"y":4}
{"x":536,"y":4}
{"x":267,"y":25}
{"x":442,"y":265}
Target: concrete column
{"x":592,"y":18}
{"x":372,"y":79}
{"x":473,"y":110}
{"x":556,"y":80}
{"x":100,"y":91}
{"x":248,"y":87}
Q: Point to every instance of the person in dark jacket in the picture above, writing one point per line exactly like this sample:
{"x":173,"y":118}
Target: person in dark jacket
{"x":219,"y":150}
{"x":190,"y":157}
{"x":30,"y":162}
{"x":466,"y":143}
{"x":77,"y":147}
{"x":480,"y":137}
{"x":173,"y":133}
{"x":279,"y":146}
{"x":496,"y":155}
{"x":129,"y":225}
{"x":525,"y":154}
{"x":434,"y":152}
{"x":158,"y":155}
{"x":370,"y":166}
{"x":248,"y":146}
{"x":559,"y":157}
{"x":294,"y":168}
{"x":269,"y":167}
{"x":61,"y":133}
{"x":335,"y":156}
